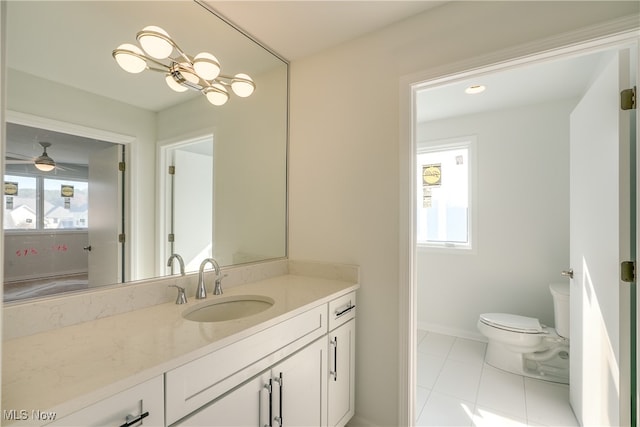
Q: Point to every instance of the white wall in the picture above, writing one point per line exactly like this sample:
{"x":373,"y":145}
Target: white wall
{"x":523,"y":220}
{"x":344,"y":151}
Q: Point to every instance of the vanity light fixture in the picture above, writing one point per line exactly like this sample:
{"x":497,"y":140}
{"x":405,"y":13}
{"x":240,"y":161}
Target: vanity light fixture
{"x":474,"y":89}
{"x":183,"y":72}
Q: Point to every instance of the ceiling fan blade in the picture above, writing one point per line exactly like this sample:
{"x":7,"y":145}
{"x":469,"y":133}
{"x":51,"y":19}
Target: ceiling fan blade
{"x":18,"y":162}
{"x":18,"y":156}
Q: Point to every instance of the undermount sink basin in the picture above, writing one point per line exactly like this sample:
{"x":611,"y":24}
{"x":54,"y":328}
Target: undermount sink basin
{"x":228,"y":308}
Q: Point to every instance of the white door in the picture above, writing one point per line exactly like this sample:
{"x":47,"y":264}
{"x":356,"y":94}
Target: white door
{"x":247,"y":405}
{"x":600,"y":239}
{"x":105,"y":217}
{"x":300,"y":386}
{"x":193,"y":205}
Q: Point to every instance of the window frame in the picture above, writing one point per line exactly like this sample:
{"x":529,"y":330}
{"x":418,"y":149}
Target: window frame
{"x":40,"y":214}
{"x":470,"y":143}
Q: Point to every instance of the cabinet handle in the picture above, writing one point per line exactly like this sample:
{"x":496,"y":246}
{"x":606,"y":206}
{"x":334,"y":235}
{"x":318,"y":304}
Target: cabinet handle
{"x":280,"y":382}
{"x":131,"y":420}
{"x":340,"y":313}
{"x":269,"y":388}
{"x":334,"y":343}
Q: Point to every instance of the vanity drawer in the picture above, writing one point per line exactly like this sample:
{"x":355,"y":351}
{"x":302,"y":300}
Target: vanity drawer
{"x":342,"y":310}
{"x":144,"y":401}
{"x":197,"y":383}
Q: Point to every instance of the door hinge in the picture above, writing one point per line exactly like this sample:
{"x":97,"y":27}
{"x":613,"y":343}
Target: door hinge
{"x":121,"y":166}
{"x":172,"y":237}
{"x":628,"y":271}
{"x":121,"y":238}
{"x":172,"y":170}
{"x":628,"y":99}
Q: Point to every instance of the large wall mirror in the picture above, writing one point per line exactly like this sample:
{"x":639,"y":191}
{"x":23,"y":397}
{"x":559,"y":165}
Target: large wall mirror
{"x":199,"y":180}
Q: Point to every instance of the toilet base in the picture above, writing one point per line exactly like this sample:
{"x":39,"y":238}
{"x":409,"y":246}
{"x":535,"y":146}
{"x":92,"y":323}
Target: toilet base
{"x":555,"y":369}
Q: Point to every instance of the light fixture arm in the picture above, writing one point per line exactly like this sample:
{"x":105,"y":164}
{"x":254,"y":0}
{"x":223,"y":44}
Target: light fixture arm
{"x":145,"y":58}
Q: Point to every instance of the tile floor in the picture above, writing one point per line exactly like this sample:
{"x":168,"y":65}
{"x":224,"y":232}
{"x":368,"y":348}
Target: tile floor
{"x":456,"y":388}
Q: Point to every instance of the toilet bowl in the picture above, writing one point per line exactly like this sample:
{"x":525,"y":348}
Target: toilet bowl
{"x":522,"y":345}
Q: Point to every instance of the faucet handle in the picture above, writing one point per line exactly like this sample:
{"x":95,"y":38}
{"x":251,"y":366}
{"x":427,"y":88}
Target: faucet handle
{"x":217,"y":288}
{"x":182,"y":297}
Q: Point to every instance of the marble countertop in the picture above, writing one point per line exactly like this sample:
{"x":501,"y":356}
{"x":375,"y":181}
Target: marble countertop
{"x":69,"y":368}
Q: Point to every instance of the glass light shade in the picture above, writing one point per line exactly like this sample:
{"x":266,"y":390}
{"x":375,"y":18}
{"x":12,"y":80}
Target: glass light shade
{"x":173,"y":84}
{"x":45,"y":163}
{"x":206,"y":65}
{"x":217,"y":94}
{"x":129,"y":62}
{"x":242,"y":85}
{"x":155,"y":46}
{"x":189,"y":76}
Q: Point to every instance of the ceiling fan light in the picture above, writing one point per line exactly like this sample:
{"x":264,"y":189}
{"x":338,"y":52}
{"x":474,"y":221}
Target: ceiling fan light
{"x":242,"y":85}
{"x":206,"y":65}
{"x":45,"y":163}
{"x":126,"y":55}
{"x":216,"y":94}
{"x":155,"y":41}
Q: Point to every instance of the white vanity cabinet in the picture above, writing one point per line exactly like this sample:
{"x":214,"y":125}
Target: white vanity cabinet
{"x":140,"y":405}
{"x":198,"y":383}
{"x":341,"y":358}
{"x":291,"y":393}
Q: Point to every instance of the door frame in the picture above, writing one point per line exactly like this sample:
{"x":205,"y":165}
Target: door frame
{"x":619,"y":33}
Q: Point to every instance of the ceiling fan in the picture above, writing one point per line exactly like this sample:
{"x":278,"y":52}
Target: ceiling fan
{"x":42,"y":162}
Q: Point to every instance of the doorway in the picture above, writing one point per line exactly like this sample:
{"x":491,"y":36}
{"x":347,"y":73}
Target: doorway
{"x":64,"y":223}
{"x":188,"y":191}
{"x":535,"y":270}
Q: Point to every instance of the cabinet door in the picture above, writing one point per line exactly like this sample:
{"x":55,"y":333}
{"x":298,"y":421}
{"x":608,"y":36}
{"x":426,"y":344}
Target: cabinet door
{"x":299,"y":386}
{"x":341,"y":387}
{"x":247,"y":405}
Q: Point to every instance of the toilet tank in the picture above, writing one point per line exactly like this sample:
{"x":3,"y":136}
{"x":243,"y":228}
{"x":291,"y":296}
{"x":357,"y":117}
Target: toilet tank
{"x":560,"y":293}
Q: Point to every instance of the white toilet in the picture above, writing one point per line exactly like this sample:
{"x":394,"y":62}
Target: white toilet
{"x":523,"y":346}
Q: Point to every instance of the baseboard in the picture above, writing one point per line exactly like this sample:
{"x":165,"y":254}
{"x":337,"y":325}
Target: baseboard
{"x":445,"y":330}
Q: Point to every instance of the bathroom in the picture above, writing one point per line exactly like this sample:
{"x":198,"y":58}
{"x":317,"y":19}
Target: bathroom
{"x":364,"y":230}
{"x":520,"y":235}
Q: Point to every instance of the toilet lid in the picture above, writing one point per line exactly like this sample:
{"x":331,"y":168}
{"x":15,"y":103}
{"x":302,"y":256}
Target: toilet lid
{"x":512,"y":322}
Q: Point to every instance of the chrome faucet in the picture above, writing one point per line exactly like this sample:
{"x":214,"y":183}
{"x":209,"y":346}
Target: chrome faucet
{"x":201,"y":291}
{"x":180,"y":261}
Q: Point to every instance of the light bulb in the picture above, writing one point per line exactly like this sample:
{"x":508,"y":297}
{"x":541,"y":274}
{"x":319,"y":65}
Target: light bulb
{"x":173,"y":84}
{"x":242,"y":85}
{"x":127,"y":60}
{"x":206,"y":65}
{"x":156,"y":46}
{"x":217,"y":94}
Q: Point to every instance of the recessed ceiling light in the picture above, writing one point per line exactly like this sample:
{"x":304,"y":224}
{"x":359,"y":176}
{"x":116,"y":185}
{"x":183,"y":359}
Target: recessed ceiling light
{"x":471,"y":90}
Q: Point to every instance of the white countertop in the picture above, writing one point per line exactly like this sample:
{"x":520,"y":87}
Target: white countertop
{"x":69,"y":368}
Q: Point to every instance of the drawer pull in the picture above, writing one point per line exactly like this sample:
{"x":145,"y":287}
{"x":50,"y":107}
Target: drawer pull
{"x":340,"y":313}
{"x":131,"y":420}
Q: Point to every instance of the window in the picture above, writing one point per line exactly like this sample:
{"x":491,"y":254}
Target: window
{"x":39,"y":203}
{"x":445,"y":185}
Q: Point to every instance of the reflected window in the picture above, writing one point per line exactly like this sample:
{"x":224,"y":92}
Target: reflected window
{"x":39,"y":203}
{"x":20,"y":202}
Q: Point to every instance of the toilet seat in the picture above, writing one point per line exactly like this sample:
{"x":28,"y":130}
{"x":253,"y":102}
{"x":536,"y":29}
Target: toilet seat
{"x":513,"y":323}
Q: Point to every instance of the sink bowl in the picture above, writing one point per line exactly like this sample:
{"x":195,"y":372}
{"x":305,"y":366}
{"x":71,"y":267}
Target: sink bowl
{"x":228,"y":308}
